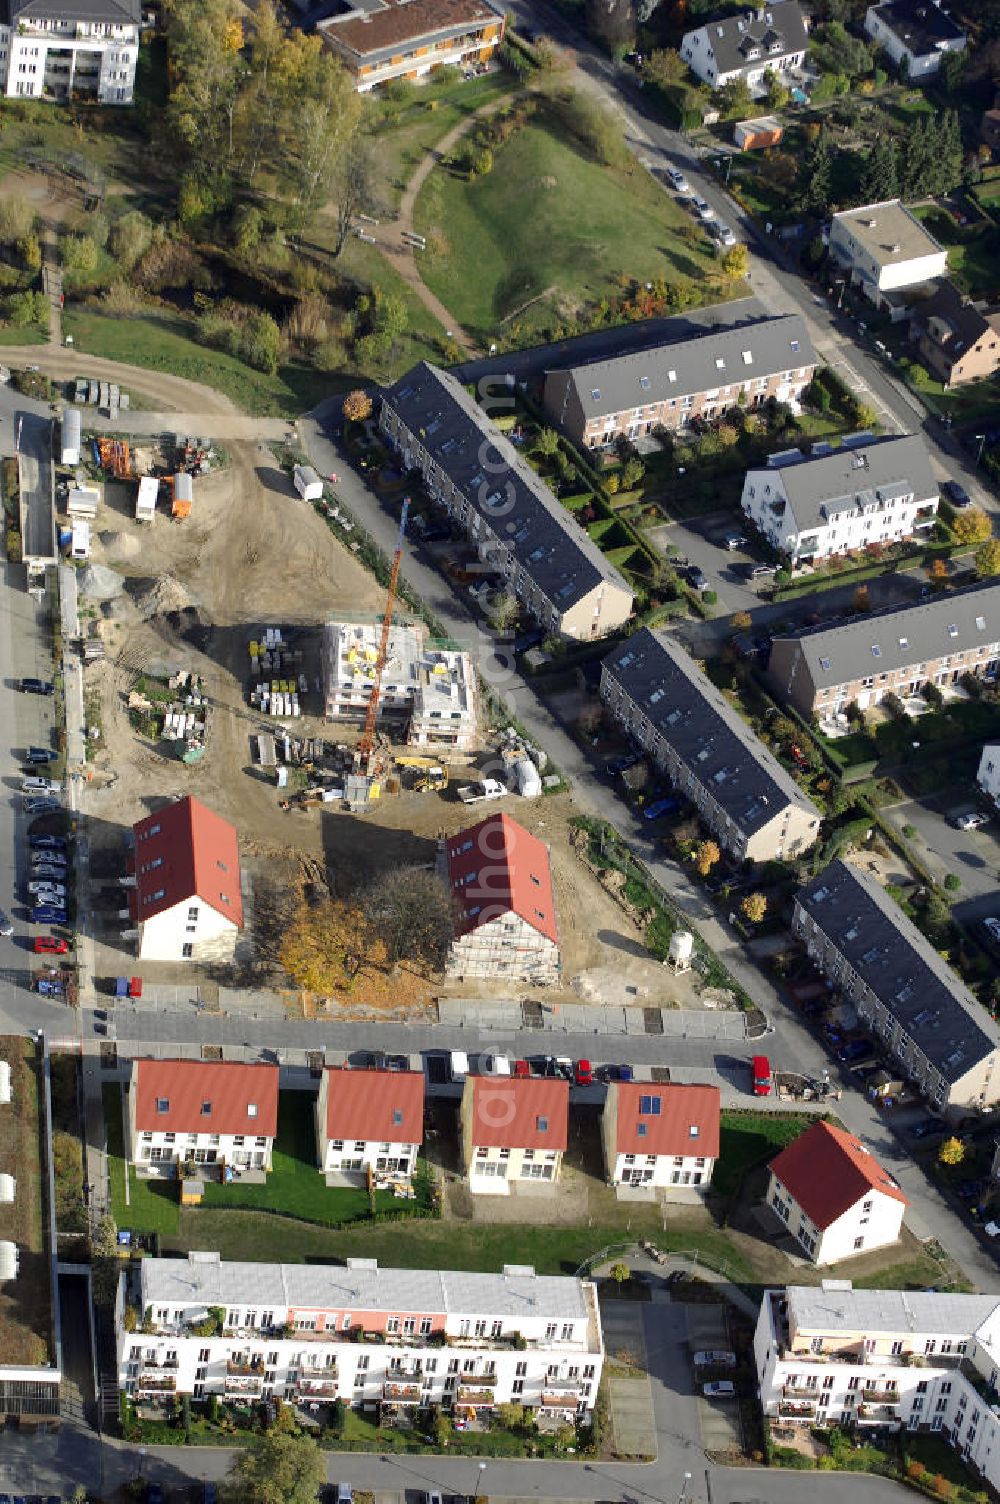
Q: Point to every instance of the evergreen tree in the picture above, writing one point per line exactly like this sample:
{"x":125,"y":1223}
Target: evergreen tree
{"x":817,"y":174}
{"x":880,"y":176}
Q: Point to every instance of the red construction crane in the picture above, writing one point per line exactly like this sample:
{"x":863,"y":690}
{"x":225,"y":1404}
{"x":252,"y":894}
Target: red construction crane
{"x":367,"y":742}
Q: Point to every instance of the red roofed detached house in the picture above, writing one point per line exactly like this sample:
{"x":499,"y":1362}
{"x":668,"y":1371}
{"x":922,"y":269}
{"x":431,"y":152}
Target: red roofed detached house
{"x":501,"y":882}
{"x":369,"y":1121}
{"x":379,"y":40}
{"x":184,"y":894}
{"x":514,"y":1128}
{"x":664,"y":1138}
{"x":209,"y":1112}
{"x":834,"y":1196}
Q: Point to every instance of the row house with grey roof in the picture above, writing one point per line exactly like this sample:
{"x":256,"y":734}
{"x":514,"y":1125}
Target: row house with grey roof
{"x":942,"y":1040}
{"x":743,"y":795}
{"x":835,"y":501}
{"x":748,"y":44}
{"x":670,"y":384}
{"x":519,"y":528}
{"x":76,"y":48}
{"x":393,"y":1340}
{"x":861,"y":661}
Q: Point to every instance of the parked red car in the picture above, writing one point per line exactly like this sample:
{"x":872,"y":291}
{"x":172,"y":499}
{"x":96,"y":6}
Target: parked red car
{"x":48,"y":945}
{"x":522,"y":1068}
{"x":584,"y":1073}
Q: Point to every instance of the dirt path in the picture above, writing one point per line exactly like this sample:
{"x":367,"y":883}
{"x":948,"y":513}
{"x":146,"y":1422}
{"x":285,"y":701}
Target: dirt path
{"x":392,"y":240}
{"x":64,"y":365}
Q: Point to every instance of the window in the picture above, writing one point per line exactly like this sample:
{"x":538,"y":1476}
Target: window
{"x":206,"y":1109}
{"x":859,"y":1242}
{"x":952,"y":629}
{"x":187,"y":951}
{"x":876,"y":650}
{"x":163,"y":1104}
{"x":192,"y":912}
{"x":251,"y":1109}
{"x":824,"y":664}
{"x":649,"y":1107}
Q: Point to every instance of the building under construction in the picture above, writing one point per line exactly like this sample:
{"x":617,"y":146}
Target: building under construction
{"x":426,"y":696}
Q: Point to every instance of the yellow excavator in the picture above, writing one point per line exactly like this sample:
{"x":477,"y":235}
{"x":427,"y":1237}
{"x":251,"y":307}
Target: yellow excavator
{"x":431,"y":775}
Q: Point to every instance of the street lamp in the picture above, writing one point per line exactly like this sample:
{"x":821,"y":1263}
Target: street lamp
{"x":684,"y":1489}
{"x":479,"y":1481}
{"x":982,"y":440}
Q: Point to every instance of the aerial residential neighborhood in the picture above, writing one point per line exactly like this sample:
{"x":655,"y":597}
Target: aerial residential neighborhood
{"x":500,"y":908}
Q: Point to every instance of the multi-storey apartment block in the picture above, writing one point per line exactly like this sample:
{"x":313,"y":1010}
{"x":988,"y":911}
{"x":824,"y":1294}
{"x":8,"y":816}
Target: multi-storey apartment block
{"x":379,"y":40}
{"x":942,"y":1039}
{"x":834,"y":1196}
{"x":835,"y":501}
{"x":88,"y":50}
{"x":400,"y":1339}
{"x":748,"y":45}
{"x":514,"y":1129}
{"x":884,"y":250}
{"x":915,"y":1360}
{"x":663,"y":1137}
{"x":747,"y":799}
{"x":505,"y":909}
{"x":427,"y":695}
{"x":519,"y":528}
{"x":369,"y":1123}
{"x":889,"y":652}
{"x":210,"y":1113}
{"x":666,"y":386}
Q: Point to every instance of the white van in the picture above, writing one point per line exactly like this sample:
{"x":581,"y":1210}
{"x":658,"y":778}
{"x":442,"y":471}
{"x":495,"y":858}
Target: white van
{"x":494,"y":1065}
{"x":459,"y":1064}
{"x":39,"y":786}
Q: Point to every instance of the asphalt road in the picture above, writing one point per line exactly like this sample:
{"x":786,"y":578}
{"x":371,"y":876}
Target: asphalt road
{"x":972,"y":855}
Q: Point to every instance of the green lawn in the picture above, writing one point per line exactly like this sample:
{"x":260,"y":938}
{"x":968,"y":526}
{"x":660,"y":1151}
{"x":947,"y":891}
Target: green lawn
{"x":32,"y":335}
{"x":400,"y":144}
{"x":152,"y":1205}
{"x":550,"y":223}
{"x":973,"y":251}
{"x":939,"y":1458}
{"x":748,"y":1139}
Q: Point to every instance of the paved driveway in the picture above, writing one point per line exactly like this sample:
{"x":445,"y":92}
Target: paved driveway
{"x":972,"y":855}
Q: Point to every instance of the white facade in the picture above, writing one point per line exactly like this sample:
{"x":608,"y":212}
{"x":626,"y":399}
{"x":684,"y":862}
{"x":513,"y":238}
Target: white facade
{"x":922,"y":1361}
{"x":669,"y":1171}
{"x":357,"y":1156}
{"x":988,"y":776}
{"x":884,"y":249}
{"x":921,"y":60}
{"x":507,"y":946}
{"x":697,"y":51}
{"x":56,"y":59}
{"x":493,"y":1170}
{"x":368,"y":1336}
{"x":153,"y":1151}
{"x":872,"y":1222}
{"x":383,"y":1157}
{"x":189,"y":931}
{"x":429,"y":691}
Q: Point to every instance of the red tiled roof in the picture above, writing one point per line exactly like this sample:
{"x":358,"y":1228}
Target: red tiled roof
{"x":827,"y":1171}
{"x":364,"y":1105}
{"x":514,"y":1112}
{"x":497,"y":867}
{"x":399,"y":22}
{"x":187,"y":1085}
{"x":664,"y":1127}
{"x":186,"y":851}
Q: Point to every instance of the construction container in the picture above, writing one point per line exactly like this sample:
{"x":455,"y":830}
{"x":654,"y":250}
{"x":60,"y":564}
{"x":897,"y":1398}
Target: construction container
{"x":307,"y":483}
{"x":183,"y":495}
{"x":145,"y":501}
{"x":83,"y":502}
{"x":752,"y":135}
{"x":69,"y":452}
{"x":79,"y":546}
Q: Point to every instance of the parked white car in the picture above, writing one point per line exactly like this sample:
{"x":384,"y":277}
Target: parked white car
{"x":677,"y":180}
{"x":47,"y":890}
{"x":703,"y":210}
{"x":719,"y":1389}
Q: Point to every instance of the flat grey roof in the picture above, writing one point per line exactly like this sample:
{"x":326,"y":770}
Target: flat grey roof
{"x":880,"y":1312}
{"x":888,"y":232}
{"x":37,"y":480}
{"x":952,"y":623}
{"x":487,"y":469}
{"x":901,"y":967}
{"x":707,"y":733}
{"x":921,"y":25}
{"x":720,"y":357}
{"x":202,"y":1280}
{"x":860,"y":473}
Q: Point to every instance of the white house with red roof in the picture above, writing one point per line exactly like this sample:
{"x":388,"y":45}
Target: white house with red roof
{"x":501,"y":882}
{"x":369,"y":1123}
{"x":184,"y":884}
{"x":514,"y":1129}
{"x":664,"y":1138}
{"x":834,"y":1196}
{"x":207,"y":1112}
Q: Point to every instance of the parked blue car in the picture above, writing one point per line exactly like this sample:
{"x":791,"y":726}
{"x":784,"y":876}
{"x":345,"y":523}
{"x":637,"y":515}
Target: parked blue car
{"x":45,"y":914}
{"x":667,"y":806}
{"x":855,"y":1049}
{"x":47,"y":843}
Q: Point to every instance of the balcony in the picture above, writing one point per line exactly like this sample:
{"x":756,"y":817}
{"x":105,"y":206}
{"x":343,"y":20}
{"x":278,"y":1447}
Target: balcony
{"x":481,"y":1399}
{"x":160,"y":1363}
{"x":164,"y":1384}
{"x":247,"y":1386}
{"x":253,"y":1366}
{"x":880,"y":1396}
{"x":325,"y":1388}
{"x":478,"y":1380}
{"x":797,"y":1409}
{"x":805,"y":1391}
{"x":556,"y":1386}
{"x":401,"y":1394}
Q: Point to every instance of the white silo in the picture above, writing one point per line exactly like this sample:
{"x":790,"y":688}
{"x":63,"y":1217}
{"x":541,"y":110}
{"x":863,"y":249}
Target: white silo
{"x":681,"y":950}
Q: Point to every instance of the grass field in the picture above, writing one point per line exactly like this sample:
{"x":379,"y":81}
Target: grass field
{"x":24,"y":1302}
{"x":748,"y":1139}
{"x":33,"y":335}
{"x":401,"y":143}
{"x":549,"y":223}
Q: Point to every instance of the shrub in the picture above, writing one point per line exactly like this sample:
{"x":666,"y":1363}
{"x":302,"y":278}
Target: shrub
{"x":952,"y":883}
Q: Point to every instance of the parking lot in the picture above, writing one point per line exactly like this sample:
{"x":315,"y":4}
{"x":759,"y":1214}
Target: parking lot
{"x":973,"y":856}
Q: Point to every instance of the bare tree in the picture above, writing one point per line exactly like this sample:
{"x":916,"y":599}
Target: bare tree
{"x":411,"y":911}
{"x":354,"y":191}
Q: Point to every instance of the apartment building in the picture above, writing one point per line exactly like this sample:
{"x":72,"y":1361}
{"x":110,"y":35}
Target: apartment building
{"x":865,"y":493}
{"x":670,"y":384}
{"x":505,"y":925}
{"x":427,"y":696}
{"x":897,"y":652}
{"x":942,"y":1040}
{"x":519,"y":528}
{"x":915,"y":34}
{"x":395,"y":1339}
{"x":833,"y":1195}
{"x":381,"y":40}
{"x":957,"y":340}
{"x":663,"y":1137}
{"x":369,"y":1125}
{"x":514,"y":1131}
{"x":86,"y":51}
{"x":752,"y":805}
{"x":214,"y":1114}
{"x":183,"y":884}
{"x":884,"y":250}
{"x":768,"y":39}
{"x":921,"y":1360}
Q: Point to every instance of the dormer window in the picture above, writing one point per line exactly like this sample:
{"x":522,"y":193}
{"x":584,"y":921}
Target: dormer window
{"x":163,"y":1104}
{"x":206,"y":1109}
{"x":251,"y":1109}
